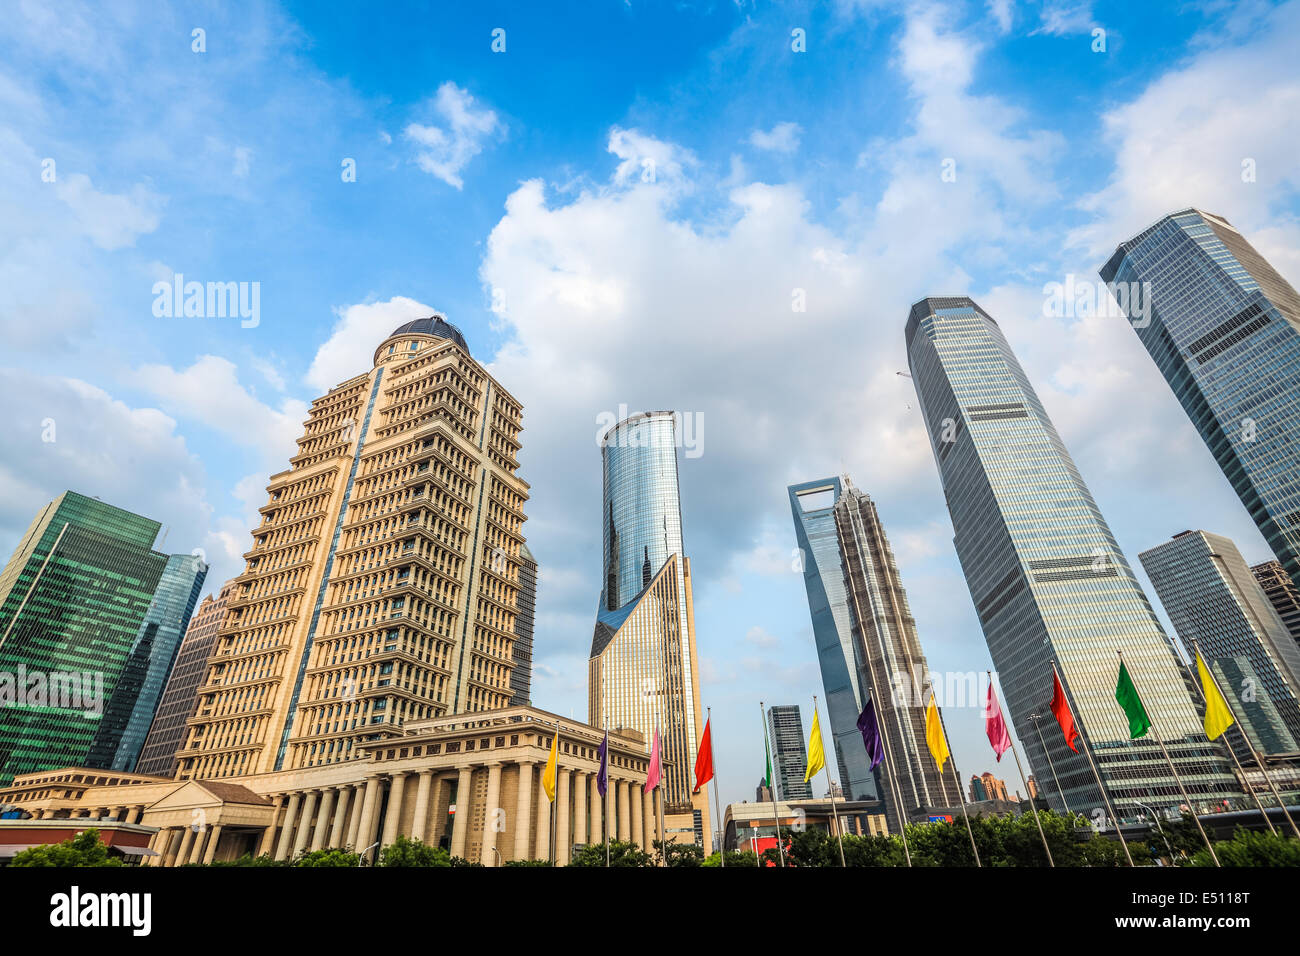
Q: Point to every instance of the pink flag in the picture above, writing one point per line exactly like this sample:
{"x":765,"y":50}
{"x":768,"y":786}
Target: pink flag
{"x":995,"y":725}
{"x":655,"y":771}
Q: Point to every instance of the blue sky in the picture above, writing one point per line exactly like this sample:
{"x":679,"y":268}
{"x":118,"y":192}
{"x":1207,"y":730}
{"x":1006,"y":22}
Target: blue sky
{"x":621,"y":209}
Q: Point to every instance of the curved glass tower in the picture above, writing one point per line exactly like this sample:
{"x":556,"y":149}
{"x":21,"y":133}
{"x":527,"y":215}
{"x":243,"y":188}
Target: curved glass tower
{"x":642,"y":668}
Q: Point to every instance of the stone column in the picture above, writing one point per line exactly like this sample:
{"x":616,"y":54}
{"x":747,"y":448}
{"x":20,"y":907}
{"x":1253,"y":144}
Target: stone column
{"x":214,"y":836}
{"x":563,"y":841}
{"x":369,"y":811}
{"x":543,"y":822}
{"x":160,"y":843}
{"x":286,"y":829}
{"x":624,"y":816}
{"x":580,"y":788}
{"x":304,"y":824}
{"x":421,"y":821}
{"x":637,"y":805}
{"x":268,"y":835}
{"x":460,"y":824}
{"x":649,"y":834}
{"x":340,"y":817}
{"x":393,"y":815}
{"x":440,"y":785}
{"x":487,"y":855}
{"x":523,"y":812}
{"x":323,"y":821}
{"x":134,"y":815}
{"x":354,"y":819}
{"x":183,"y":854}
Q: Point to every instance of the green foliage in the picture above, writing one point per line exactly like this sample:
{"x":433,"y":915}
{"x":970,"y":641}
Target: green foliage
{"x":679,"y":854}
{"x":334,"y":857}
{"x":734,"y":858}
{"x":1252,"y":848}
{"x":407,"y":852}
{"x":249,"y":860}
{"x":528,"y":862}
{"x":620,"y":854}
{"x":84,"y":849}
{"x":461,"y":861}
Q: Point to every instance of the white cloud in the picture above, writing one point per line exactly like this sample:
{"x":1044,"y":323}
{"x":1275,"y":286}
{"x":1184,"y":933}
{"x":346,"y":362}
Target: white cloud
{"x":243,"y":161}
{"x":757,"y":636}
{"x":1001,"y":11}
{"x":445,"y":150}
{"x":781,"y":138}
{"x":1065,"y":17}
{"x":357,"y":333}
{"x":111,"y":221}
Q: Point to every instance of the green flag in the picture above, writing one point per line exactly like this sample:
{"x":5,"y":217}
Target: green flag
{"x":1138,"y":721}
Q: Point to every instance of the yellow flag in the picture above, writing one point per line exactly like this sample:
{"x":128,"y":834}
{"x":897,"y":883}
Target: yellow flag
{"x":1218,"y":717}
{"x":548,"y":775}
{"x":934,"y":735}
{"x":816,"y":754}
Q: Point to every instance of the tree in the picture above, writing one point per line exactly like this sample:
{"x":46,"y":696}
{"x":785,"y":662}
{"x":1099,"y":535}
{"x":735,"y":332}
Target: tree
{"x":528,"y":862}
{"x":249,"y":860}
{"x":407,"y":852}
{"x":680,"y":854}
{"x":734,"y":858}
{"x":873,"y":851}
{"x":334,"y":857}
{"x":84,"y":849}
{"x":621,"y":853}
{"x":1251,"y":848}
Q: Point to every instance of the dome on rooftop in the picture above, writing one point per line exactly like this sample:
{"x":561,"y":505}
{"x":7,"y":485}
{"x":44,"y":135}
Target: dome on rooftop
{"x":433,"y":325}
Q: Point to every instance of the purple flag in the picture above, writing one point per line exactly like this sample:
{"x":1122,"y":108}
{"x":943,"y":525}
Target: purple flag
{"x":602,"y":778}
{"x":871,"y":733}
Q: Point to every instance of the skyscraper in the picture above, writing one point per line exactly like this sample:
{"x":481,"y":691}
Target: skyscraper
{"x":1223,"y":327}
{"x":789,"y":755}
{"x":130,"y":711}
{"x":853,"y":582}
{"x":812,"y":507}
{"x":1046,"y":576}
{"x":1215,"y":603}
{"x":383,"y":581}
{"x":158,"y":755}
{"x":75,"y":605}
{"x":1282,"y":593}
{"x":642,"y":672}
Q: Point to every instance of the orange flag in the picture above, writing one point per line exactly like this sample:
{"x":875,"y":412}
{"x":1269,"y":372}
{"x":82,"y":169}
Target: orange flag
{"x":704,"y":762}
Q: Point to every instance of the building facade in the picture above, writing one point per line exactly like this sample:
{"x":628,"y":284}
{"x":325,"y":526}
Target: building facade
{"x":642,"y":671}
{"x":753,"y":826}
{"x":74,"y":600}
{"x":1282,"y":593}
{"x":130,"y":710}
{"x":382,"y":584}
{"x":838,"y":655}
{"x":789,"y":755}
{"x":521,"y":677}
{"x":1223,"y":327}
{"x":1046,"y":576}
{"x":1216,"y":605}
{"x":470,"y":783}
{"x":179,"y":699}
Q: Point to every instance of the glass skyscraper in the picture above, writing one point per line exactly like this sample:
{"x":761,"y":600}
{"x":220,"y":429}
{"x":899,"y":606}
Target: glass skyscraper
{"x":1213,"y":600}
{"x":642,"y":668}
{"x":789,"y":755}
{"x":1046,"y":576}
{"x":74,"y":599}
{"x":1224,"y":329}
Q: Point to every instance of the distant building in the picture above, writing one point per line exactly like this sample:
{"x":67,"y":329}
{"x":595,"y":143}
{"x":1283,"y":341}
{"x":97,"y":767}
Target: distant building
{"x":977,"y":791}
{"x":1032,"y":784}
{"x":521,"y":678}
{"x":994,"y":789}
{"x":763,"y":793}
{"x":752,"y":826}
{"x":790,"y":756}
{"x":87,"y":604}
{"x":180,"y":698}
{"x":1281,"y":593}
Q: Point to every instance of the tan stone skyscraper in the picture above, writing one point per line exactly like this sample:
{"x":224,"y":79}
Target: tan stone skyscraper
{"x":381,"y":586}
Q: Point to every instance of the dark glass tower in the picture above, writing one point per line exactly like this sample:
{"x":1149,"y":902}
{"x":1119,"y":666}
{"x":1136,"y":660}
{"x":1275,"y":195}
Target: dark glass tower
{"x":1047,"y":578}
{"x":73,"y":599}
{"x":789,"y":755}
{"x":1224,"y":330}
{"x":521,"y":677}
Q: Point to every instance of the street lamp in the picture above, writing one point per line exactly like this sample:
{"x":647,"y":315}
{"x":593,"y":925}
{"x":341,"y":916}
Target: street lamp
{"x":1158,"y":827}
{"x":365,"y":851}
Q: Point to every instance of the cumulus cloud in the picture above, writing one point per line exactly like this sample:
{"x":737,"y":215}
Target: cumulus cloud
{"x":445,"y":150}
{"x":356,"y":334}
{"x":781,"y":138}
{"x":110,"y":220}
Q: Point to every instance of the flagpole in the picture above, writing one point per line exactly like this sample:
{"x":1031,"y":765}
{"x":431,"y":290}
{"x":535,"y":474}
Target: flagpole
{"x":893,"y":783}
{"x":955,"y":775}
{"x":1246,"y":737}
{"x":1172,"y":769}
{"x":771,"y":789}
{"x":551,"y":824}
{"x":1087,"y":750}
{"x":604,"y":798}
{"x":1025,"y":783}
{"x":1034,"y":718}
{"x":663,"y":853}
{"x":830,"y":790}
{"x":722,"y":849}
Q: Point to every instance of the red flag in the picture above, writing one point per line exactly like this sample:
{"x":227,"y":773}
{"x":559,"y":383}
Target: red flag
{"x":1062,"y":711}
{"x":995,"y":725}
{"x":704,"y":762}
